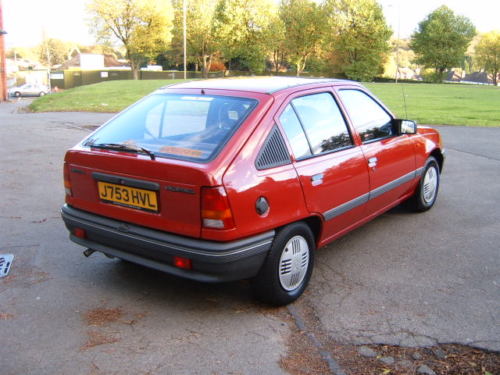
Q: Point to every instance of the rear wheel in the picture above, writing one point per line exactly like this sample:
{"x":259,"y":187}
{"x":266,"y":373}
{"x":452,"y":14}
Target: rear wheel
{"x":41,"y":93}
{"x":426,"y":194}
{"x":17,"y":94}
{"x":288,"y":267}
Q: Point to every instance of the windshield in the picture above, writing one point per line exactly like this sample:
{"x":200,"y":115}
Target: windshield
{"x":192,"y":127}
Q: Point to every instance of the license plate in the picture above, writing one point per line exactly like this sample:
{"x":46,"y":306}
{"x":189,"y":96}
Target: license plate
{"x":128,"y":196}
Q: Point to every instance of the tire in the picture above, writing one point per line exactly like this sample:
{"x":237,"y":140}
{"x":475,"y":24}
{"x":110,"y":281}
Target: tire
{"x":426,"y":193}
{"x":288,"y":267}
{"x":41,"y":94}
{"x":17,"y":94}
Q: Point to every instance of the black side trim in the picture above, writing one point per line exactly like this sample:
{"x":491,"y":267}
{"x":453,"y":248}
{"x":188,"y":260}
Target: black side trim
{"x":343,"y":208}
{"x":392,"y":185}
{"x":274,"y":152}
{"x":372,"y":194}
{"x":126,"y":181}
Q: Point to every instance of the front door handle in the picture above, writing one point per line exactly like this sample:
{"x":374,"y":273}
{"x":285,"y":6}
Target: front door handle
{"x":317,"y":179}
{"x":372,"y":162}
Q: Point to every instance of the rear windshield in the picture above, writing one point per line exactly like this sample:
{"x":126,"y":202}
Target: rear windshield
{"x":190,"y":127}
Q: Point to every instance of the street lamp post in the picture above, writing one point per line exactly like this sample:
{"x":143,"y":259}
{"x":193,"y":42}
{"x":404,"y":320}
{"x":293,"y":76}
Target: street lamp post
{"x":184,"y":35}
{"x":3,"y":65}
{"x":398,"y":4}
{"x":399,"y":40}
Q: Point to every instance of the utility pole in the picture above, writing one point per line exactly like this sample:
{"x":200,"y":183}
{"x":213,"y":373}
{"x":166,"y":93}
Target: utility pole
{"x":184,"y":34}
{"x":3,"y":65}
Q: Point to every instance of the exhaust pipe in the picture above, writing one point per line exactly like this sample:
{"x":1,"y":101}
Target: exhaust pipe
{"x":88,"y":252}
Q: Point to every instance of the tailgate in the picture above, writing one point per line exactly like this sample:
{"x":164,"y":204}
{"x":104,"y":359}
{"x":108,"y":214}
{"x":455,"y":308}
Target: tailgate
{"x":160,"y":194}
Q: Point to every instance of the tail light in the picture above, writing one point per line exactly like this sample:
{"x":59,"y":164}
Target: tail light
{"x":67,"y":182}
{"x":215,"y":210}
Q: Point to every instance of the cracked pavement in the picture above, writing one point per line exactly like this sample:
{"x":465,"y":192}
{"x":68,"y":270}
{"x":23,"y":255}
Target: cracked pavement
{"x":405,"y":279}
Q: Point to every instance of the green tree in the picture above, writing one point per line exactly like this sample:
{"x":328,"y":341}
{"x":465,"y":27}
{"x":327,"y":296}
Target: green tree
{"x":488,"y":54}
{"x":53,"y":51}
{"x":201,"y":41}
{"x":358,"y":37}
{"x":28,"y":53}
{"x":400,"y":57}
{"x":441,"y":40}
{"x":142,"y":26}
{"x":304,"y":22}
{"x":275,"y":38}
{"x":239,"y":30}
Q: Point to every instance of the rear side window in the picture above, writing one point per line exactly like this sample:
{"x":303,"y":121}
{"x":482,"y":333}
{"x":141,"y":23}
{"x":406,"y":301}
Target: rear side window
{"x":323,"y":122}
{"x":191,"y":127}
{"x":370,"y":120}
{"x":295,"y":133}
{"x":315,"y":125}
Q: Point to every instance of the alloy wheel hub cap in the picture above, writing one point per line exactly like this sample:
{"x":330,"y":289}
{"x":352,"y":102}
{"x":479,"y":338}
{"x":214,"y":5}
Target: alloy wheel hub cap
{"x":294,"y":263}
{"x":430,"y":185}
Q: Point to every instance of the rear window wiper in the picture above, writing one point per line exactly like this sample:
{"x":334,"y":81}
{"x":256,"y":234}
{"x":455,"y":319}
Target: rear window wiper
{"x":124,"y":147}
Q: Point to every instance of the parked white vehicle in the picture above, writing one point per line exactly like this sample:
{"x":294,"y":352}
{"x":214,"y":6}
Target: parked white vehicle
{"x":29,"y":89}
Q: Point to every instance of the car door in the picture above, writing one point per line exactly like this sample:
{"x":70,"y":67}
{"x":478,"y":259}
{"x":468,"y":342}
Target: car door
{"x":28,"y":90}
{"x":331,"y":168}
{"x":390,"y":157}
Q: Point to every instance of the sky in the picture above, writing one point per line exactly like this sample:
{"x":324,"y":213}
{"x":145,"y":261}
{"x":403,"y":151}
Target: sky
{"x":26,"y":21}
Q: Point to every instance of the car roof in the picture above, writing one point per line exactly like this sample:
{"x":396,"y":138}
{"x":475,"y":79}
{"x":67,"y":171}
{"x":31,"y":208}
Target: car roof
{"x":267,"y":85}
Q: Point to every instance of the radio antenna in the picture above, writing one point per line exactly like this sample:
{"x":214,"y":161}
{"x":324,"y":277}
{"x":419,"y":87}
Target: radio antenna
{"x":404,"y":101}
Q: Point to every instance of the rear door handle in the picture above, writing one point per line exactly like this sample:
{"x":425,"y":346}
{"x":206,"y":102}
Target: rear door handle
{"x":372,"y":162}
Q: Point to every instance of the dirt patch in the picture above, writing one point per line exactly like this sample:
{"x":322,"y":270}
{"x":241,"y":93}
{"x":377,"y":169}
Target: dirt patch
{"x":442,"y":359}
{"x":25,"y":277}
{"x":302,"y":356}
{"x":102,"y":316}
{"x":309,"y":346}
{"x":102,"y":323}
{"x":96,"y":338}
{"x":6,"y":316}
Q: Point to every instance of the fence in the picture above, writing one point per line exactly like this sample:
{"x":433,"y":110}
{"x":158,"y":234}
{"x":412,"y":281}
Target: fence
{"x":71,"y":78}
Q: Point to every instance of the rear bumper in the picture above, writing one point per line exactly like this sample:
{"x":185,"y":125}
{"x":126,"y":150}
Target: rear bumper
{"x":212,"y":261}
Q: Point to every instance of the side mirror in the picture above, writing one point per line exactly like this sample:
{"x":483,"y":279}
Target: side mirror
{"x":405,"y":126}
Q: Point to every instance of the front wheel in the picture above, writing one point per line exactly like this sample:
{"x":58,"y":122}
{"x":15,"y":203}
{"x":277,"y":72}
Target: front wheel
{"x":286,"y":271}
{"x":426,"y":194}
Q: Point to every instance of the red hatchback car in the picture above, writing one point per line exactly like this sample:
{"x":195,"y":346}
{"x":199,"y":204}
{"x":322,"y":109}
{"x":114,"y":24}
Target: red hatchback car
{"x":232,"y":179}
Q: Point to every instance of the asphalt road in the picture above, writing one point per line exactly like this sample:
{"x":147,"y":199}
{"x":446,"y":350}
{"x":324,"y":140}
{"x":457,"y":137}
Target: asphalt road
{"x":406,"y":279}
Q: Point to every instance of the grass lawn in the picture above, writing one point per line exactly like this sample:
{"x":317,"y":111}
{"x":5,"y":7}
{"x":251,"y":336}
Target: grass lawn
{"x":437,"y":104}
{"x":111,"y":96}
{"x":447,"y":104}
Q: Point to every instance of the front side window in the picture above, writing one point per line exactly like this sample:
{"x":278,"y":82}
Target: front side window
{"x":368,"y":117}
{"x":192,"y":127}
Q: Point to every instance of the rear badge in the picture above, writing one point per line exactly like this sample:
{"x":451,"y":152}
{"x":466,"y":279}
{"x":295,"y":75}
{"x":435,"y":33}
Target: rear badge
{"x":5,"y":263}
{"x":177,"y":189}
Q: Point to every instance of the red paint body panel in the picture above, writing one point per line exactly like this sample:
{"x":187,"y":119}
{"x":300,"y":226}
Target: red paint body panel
{"x":345,"y":178}
{"x":395,"y":158}
{"x":289,"y":189}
